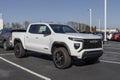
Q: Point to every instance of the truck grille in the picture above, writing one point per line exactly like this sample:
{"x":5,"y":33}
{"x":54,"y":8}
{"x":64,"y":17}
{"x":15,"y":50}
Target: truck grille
{"x":92,"y":43}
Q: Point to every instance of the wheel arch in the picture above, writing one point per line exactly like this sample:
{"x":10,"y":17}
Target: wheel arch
{"x":17,"y":40}
{"x":60,"y":44}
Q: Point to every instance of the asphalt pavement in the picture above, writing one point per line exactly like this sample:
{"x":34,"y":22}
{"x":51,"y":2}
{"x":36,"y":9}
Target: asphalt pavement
{"x":40,"y":67}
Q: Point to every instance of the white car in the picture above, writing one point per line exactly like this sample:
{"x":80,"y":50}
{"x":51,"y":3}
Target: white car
{"x":110,"y":36}
{"x":60,"y":41}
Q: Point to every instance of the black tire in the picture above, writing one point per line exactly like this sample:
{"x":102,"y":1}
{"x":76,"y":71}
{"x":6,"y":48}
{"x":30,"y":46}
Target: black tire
{"x":61,"y":58}
{"x":91,"y":61}
{"x":19,"y":50}
{"x":5,"y":46}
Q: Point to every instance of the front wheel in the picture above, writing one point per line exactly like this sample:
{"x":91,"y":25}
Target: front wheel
{"x":19,"y":50}
{"x":61,"y":58}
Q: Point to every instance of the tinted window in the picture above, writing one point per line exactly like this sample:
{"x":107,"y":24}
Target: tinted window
{"x":38,"y":29}
{"x":62,"y":29}
{"x":3,"y":31}
{"x":33,"y":28}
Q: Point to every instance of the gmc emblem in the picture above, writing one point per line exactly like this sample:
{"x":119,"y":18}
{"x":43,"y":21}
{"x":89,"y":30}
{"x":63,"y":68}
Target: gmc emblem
{"x":93,"y":41}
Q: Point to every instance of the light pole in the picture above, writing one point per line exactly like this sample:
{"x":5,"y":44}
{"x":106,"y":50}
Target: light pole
{"x":1,"y":15}
{"x":105,"y":19}
{"x":99,"y":24}
{"x":90,"y":13}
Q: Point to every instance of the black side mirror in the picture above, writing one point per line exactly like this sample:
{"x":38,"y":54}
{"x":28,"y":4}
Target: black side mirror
{"x":46,"y":33}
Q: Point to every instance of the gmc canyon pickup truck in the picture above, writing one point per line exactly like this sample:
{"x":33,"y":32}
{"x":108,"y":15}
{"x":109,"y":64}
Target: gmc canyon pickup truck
{"x":60,"y":41}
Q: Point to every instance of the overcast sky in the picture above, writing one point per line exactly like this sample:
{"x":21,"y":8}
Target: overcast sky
{"x":60,"y":11}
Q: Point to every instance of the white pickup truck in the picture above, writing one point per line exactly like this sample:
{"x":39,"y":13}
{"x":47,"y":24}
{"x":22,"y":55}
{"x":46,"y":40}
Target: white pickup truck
{"x":60,"y":41}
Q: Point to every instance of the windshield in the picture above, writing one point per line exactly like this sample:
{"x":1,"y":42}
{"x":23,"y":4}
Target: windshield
{"x":62,"y":29}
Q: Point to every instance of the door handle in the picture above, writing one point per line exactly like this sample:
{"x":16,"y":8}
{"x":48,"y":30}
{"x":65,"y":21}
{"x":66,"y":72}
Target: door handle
{"x":36,"y":38}
{"x":27,"y":37}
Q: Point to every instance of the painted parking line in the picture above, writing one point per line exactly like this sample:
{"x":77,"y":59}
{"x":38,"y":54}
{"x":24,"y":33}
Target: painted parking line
{"x":6,"y":54}
{"x":25,"y":69}
{"x":112,"y":62}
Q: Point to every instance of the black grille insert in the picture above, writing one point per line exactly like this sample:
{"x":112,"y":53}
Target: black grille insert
{"x":92,"y":43}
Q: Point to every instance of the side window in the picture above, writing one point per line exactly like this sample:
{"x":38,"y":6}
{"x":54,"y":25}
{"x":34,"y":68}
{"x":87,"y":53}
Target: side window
{"x":38,"y":29}
{"x":42,"y":29}
{"x":34,"y":29}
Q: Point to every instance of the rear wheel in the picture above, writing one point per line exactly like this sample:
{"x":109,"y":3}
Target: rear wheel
{"x":19,"y":50}
{"x":61,"y":58}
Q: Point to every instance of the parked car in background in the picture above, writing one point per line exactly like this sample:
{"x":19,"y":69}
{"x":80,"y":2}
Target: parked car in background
{"x":6,"y":37}
{"x":116,"y":36}
{"x":110,"y":36}
{"x":101,"y":34}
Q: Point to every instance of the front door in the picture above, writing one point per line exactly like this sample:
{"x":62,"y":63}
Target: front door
{"x":36,"y":40}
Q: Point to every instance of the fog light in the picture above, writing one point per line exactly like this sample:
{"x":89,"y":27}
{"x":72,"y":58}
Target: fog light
{"x":76,"y":45}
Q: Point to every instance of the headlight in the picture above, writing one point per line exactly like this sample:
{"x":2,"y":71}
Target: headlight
{"x":76,"y":39}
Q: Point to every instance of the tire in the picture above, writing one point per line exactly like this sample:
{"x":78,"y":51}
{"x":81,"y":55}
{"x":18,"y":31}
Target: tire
{"x":91,"y":61}
{"x":19,"y":50}
{"x":61,"y":58}
{"x":5,"y":46}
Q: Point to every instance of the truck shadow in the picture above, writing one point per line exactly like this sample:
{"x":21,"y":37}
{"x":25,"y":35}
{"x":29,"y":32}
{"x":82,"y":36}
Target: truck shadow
{"x":82,"y":63}
{"x":39,"y":55}
{"x":75,"y":62}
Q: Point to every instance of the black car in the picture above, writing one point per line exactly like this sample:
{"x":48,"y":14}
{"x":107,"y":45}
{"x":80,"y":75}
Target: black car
{"x":6,"y":38}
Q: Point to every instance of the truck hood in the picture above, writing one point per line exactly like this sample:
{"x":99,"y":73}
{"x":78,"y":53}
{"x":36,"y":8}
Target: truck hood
{"x":83,"y":36}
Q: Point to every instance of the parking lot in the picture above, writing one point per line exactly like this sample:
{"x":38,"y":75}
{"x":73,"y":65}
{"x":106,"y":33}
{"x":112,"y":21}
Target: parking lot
{"x":40,"y":67}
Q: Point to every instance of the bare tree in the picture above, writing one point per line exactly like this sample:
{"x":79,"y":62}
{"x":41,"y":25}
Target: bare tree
{"x":16,"y":25}
{"x":26,"y":23}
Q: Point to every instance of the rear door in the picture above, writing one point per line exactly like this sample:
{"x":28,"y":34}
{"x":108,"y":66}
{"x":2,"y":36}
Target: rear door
{"x":36,"y":40}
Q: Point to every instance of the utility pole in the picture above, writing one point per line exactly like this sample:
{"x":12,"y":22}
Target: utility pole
{"x":1,"y":15}
{"x":105,"y":20}
{"x":90,"y":13}
{"x":99,"y":24}
{"x":1,"y":21}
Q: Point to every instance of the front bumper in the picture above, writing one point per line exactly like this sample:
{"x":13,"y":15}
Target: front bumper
{"x":90,"y":48}
{"x":92,"y":54}
{"x":87,"y":53}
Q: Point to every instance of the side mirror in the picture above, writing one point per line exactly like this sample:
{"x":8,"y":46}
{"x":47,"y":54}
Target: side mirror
{"x":46,"y":33}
